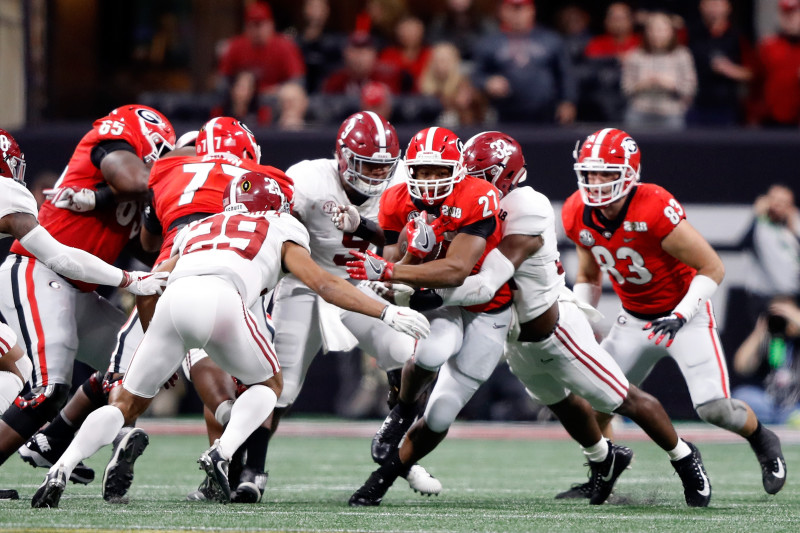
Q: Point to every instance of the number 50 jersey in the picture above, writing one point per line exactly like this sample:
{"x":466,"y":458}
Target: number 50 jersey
{"x":647,"y":279}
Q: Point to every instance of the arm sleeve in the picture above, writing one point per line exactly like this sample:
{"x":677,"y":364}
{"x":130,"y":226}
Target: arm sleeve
{"x":70,"y":262}
{"x":480,"y":288}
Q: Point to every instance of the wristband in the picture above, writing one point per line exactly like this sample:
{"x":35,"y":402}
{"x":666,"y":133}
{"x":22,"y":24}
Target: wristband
{"x":367,"y":229}
{"x":104,"y":197}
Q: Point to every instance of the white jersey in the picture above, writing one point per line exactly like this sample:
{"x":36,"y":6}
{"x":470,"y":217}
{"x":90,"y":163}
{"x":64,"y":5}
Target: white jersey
{"x":539,"y":278}
{"x":15,"y":198}
{"x":244,"y":248}
{"x":317,"y":192}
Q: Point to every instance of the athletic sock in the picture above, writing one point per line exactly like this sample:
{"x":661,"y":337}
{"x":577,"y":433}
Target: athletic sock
{"x":680,"y":451}
{"x":98,"y":430}
{"x":256,"y":446}
{"x":598,"y":452}
{"x":248,"y":413}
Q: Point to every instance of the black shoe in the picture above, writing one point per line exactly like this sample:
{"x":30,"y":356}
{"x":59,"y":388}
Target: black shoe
{"x":696,"y":485}
{"x":9,"y":494}
{"x":388,"y":437}
{"x":118,"y":475}
{"x":216,"y":468}
{"x":205,"y":492}
{"x":604,"y":474}
{"x":251,"y":486}
{"x":370,"y":493}
{"x":773,"y":466}
{"x":50,"y":491}
{"x":41,"y":451}
{"x":577,"y":490}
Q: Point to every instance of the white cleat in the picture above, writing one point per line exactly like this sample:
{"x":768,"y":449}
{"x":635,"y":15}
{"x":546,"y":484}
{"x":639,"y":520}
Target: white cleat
{"x":421,"y":481}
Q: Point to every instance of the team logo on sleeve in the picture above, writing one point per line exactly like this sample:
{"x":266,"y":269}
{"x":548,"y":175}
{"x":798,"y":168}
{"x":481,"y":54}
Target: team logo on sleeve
{"x":586,"y":238}
{"x":412,"y":215}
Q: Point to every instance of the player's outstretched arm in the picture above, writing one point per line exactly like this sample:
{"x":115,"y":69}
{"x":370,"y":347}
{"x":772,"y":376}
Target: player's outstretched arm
{"x":589,"y":279}
{"x":341,"y":293}
{"x":74,"y":263}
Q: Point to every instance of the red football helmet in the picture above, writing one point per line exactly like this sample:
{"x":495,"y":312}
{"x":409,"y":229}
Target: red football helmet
{"x":367,"y":151}
{"x":226,"y":135}
{"x":437,"y":147}
{"x":607,"y":150}
{"x":13,"y":162}
{"x":495,"y":157}
{"x":156,"y":130}
{"x":254,"y":191}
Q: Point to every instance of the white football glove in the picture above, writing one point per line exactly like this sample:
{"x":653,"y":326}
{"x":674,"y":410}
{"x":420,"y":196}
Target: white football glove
{"x":406,"y":321}
{"x":346,"y":218}
{"x":78,"y":200}
{"x":144,"y":283}
{"x":396,"y":293}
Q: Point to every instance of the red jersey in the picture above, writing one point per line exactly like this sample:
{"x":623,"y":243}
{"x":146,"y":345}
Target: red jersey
{"x":188,"y":188}
{"x":779,"y":61}
{"x":277,"y":61}
{"x":105,"y":232}
{"x":471,"y":201}
{"x":647,"y":279}
{"x":606,"y":45}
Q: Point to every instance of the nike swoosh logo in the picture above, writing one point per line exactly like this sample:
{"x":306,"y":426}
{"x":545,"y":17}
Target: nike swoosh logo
{"x":375,"y":268}
{"x":610,"y":470}
{"x":706,"y":485}
{"x":495,"y":326}
{"x":546,"y":360}
{"x":424,"y":245}
{"x":781,"y":473}
{"x":627,"y":240}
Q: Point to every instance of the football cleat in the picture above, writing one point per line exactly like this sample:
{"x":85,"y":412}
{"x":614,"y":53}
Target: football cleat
{"x":49,"y":492}
{"x":9,"y":494}
{"x":205,"y":492}
{"x":773,"y":466}
{"x":250,"y":489}
{"x":388,"y":437}
{"x":605,"y":473}
{"x":118,"y":475}
{"x":578,"y":490}
{"x":423,"y":482}
{"x":42,"y":451}
{"x":371,"y":493}
{"x":216,"y":468}
{"x":696,"y":486}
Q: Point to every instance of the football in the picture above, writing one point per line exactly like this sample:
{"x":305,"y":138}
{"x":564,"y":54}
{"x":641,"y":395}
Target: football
{"x":438,"y":252}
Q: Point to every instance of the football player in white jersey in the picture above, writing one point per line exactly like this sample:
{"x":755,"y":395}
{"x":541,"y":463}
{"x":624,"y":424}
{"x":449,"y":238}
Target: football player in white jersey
{"x":344,"y":190}
{"x":222,"y":265}
{"x":552,"y":348}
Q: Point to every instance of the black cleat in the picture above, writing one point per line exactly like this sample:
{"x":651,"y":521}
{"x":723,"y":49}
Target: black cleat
{"x":9,"y":494}
{"x":250,"y":489}
{"x":773,"y":466}
{"x":42,"y":451}
{"x":118,"y":475}
{"x":388,"y":437}
{"x":371,"y":493}
{"x":696,"y":485}
{"x":604,"y":474}
{"x":577,"y":490}
{"x":205,"y":492}
{"x":50,"y":491}
{"x":216,"y":468}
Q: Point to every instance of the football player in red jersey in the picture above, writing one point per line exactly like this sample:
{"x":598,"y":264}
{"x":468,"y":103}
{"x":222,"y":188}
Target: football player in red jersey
{"x":61,"y":318}
{"x":664,"y":273}
{"x":552,"y":349}
{"x":465,"y":342}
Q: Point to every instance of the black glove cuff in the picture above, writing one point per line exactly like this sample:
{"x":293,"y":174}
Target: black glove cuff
{"x":425,"y":300}
{"x":367,"y":229}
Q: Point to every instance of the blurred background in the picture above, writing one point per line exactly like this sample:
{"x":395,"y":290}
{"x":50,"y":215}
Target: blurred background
{"x":710,"y":89}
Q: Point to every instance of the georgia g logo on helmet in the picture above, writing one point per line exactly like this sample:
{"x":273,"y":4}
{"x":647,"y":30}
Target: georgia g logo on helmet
{"x":629,"y":145}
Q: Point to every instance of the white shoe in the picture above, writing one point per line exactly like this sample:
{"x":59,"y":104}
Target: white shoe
{"x":421,"y":481}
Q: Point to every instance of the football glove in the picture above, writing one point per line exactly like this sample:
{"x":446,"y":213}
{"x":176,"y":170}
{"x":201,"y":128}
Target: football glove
{"x":668,"y":325}
{"x":396,"y":293}
{"x":421,"y":237}
{"x":78,"y":200}
{"x":406,"y":321}
{"x":369,"y":266}
{"x":346,"y":218}
{"x":144,"y":283}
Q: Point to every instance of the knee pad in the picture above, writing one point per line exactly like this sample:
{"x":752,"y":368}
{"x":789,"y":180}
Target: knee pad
{"x":727,"y":413}
{"x":94,"y":390}
{"x":35,"y":408}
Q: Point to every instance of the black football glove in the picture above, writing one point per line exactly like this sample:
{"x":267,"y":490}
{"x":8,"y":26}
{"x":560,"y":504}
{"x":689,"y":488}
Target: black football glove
{"x":668,"y":325}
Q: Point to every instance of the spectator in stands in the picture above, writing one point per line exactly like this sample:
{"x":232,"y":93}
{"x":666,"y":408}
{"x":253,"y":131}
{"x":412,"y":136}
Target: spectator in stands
{"x":377,"y":97}
{"x":600,"y":74}
{"x":525,"y":70}
{"x":410,"y":53}
{"x":272,"y":58}
{"x":572,"y":22}
{"x":321,"y":48}
{"x":719,"y":50}
{"x":462,"y":103}
{"x":777,"y":91}
{"x":461,"y":23}
{"x":361,"y":65}
{"x":771,"y":353}
{"x":774,"y":241}
{"x":380,"y":18}
{"x":658,"y":78}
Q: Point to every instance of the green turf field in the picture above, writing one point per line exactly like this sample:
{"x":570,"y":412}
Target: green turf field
{"x":489,"y":485}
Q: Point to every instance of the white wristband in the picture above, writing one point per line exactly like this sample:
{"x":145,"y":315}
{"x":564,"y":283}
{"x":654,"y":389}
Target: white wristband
{"x":700,"y":290}
{"x":588,"y":293}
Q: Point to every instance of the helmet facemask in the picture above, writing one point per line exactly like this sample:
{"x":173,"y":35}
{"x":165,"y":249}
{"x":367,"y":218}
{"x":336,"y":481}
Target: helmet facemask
{"x":432,"y":191}
{"x":603,"y":194}
{"x":360,"y":171}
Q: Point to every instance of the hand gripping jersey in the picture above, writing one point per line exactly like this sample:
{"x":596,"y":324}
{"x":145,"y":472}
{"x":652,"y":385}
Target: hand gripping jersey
{"x":103,"y":233}
{"x":540,"y":277}
{"x":188,"y":188}
{"x":243,"y":248}
{"x":15,"y":198}
{"x":647,"y":279}
{"x":473,"y":200}
{"x":317,"y":192}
